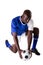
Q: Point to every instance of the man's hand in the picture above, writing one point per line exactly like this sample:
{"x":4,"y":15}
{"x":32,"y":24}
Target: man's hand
{"x":30,"y":52}
{"x":20,"y":51}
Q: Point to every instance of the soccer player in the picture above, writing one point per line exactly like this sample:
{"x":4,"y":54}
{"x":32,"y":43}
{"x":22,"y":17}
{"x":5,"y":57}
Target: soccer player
{"x":23,"y":24}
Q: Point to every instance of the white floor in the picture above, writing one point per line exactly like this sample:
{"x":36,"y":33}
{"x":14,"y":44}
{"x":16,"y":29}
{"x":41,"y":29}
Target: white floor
{"x":8,"y":10}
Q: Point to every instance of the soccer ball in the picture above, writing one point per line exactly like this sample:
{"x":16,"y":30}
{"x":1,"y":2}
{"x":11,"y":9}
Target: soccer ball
{"x":26,"y":55}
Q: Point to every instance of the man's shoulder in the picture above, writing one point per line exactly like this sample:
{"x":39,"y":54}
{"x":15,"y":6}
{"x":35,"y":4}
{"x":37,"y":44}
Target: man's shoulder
{"x":31,"y":22}
{"x":15,"y":18}
{"x":30,"y":25}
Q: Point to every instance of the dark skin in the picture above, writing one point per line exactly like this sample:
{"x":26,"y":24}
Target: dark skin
{"x":16,"y":47}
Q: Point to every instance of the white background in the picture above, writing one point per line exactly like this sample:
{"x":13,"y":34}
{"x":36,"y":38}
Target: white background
{"x":10,"y":9}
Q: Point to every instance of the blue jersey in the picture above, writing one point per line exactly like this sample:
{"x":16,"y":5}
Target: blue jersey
{"x":17,"y":26}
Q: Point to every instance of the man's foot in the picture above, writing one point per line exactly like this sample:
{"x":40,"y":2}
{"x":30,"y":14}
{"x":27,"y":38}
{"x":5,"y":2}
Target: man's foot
{"x":7,"y":44}
{"x":35,"y":51}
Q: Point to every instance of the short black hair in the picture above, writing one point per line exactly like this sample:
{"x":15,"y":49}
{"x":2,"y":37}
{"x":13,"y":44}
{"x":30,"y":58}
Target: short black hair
{"x":28,"y":13}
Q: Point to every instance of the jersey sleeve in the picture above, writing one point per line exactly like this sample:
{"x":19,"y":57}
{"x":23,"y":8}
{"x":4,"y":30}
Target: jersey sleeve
{"x":30,"y":25}
{"x":13,"y":26}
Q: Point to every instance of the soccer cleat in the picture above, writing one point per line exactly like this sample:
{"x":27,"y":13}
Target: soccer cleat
{"x":35,"y":51}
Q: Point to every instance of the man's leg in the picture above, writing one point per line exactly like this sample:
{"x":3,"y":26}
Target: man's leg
{"x":12,"y":48}
{"x":36,"y":36}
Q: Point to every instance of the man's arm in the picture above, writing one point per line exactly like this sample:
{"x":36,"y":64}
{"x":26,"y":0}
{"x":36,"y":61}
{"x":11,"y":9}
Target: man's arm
{"x":16,"y":41}
{"x":30,"y":30}
{"x":29,"y":38}
{"x":17,"y":44}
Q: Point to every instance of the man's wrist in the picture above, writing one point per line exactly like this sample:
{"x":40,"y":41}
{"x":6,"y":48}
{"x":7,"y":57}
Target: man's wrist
{"x":18,"y":49}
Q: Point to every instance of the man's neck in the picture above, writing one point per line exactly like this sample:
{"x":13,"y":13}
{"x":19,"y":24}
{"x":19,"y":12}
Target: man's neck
{"x":22,"y":21}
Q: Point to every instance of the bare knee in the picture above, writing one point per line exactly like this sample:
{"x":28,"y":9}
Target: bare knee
{"x":13,"y":48}
{"x":36,"y":31}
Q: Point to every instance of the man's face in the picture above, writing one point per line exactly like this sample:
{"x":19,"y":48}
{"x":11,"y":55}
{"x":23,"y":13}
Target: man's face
{"x":25,"y":18}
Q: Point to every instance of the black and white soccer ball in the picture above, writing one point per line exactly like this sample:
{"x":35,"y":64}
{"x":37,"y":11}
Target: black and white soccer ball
{"x":26,"y":55}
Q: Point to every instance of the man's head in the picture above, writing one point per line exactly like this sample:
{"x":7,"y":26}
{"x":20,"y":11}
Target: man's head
{"x":26,"y":16}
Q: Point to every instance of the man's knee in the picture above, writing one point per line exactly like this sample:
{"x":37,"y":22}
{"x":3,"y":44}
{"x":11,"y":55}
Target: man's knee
{"x":36,"y":31}
{"x":14,"y":48}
